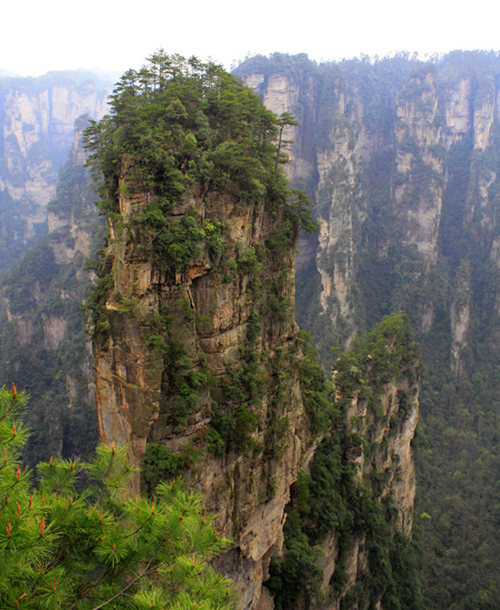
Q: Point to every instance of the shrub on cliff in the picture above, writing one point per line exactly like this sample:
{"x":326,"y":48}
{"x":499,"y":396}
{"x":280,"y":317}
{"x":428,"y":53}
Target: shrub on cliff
{"x":61,"y":547}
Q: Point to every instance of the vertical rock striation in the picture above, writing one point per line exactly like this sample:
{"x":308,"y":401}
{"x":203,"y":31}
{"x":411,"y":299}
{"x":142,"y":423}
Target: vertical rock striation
{"x":37,"y":119}
{"x":209,"y":319}
{"x":351,"y":513}
{"x":196,"y":351}
{"x":395,"y":145}
{"x":405,"y":180}
{"x":197,"y":355}
{"x":44,"y":346}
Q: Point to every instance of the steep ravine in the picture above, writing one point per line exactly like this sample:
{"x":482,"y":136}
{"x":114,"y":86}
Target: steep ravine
{"x":351,"y":512}
{"x":199,"y":365}
{"x":196,"y":352}
{"x":399,"y":158}
{"x":43,"y":343}
{"x":402,"y":163}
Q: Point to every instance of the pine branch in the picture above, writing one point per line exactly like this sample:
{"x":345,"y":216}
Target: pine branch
{"x":127,"y":587}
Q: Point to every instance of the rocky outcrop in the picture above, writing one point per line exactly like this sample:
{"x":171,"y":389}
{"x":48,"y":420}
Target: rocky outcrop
{"x":395,"y":145}
{"x":405,"y":182}
{"x":197,"y":355}
{"x":217,"y":314}
{"x":209,"y":320}
{"x":36,"y":134}
{"x":387,"y":457}
{"x":391,"y":431}
{"x":352,"y":511}
{"x":196,"y":352}
{"x":417,"y":201}
{"x":44,"y":347}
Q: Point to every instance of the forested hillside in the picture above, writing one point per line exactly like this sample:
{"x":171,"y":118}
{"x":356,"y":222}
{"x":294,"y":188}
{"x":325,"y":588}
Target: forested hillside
{"x":402,"y":160}
{"x":199,"y":364}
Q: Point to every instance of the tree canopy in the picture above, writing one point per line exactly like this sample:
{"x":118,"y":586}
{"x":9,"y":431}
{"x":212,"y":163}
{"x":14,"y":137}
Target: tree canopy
{"x":183,"y":122}
{"x":64,"y":547}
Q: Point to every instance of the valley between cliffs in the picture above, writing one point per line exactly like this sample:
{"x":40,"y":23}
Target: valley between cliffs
{"x":401,"y":158}
{"x":200,"y":366}
{"x":198,"y":358}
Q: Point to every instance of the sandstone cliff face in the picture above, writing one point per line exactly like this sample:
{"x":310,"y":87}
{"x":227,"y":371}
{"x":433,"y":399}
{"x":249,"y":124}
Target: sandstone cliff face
{"x":405,"y":181}
{"x":386,"y":464}
{"x":391,"y":153}
{"x":280,"y":94}
{"x":417,"y":204}
{"x":44,"y":345}
{"x":36,"y":134}
{"x":196,"y":352}
{"x":391,"y":430}
{"x":208,"y":312}
{"x":355,"y":502}
{"x":328,"y":165}
{"x":210,"y":317}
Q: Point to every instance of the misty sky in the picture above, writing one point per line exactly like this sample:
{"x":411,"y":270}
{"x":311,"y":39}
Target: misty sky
{"x":113,"y":35}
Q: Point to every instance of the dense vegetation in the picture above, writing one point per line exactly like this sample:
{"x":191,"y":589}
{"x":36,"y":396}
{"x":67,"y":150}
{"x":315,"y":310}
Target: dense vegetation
{"x":333,"y":498}
{"x":183,"y":124}
{"x":61,"y":547}
{"x":180,"y":130}
{"x":12,"y":249}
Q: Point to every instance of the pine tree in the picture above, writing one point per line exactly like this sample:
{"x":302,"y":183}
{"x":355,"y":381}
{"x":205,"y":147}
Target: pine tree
{"x":66,"y":545}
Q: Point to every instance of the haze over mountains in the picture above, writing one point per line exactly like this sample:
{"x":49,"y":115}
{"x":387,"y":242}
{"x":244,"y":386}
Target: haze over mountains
{"x":401,"y":158}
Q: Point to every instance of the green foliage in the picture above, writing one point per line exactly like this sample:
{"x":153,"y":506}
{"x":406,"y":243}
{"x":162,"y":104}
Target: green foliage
{"x":385,"y":353}
{"x":316,"y":390}
{"x":63,"y":548}
{"x":190,"y":123}
{"x":457,"y":471}
{"x":186,"y":384}
{"x":186,"y":123}
{"x":177,"y":245}
{"x":248,"y":262}
{"x":297,"y":575}
{"x":297,"y":66}
{"x":95,"y":305}
{"x":332,"y":499}
{"x":299,"y":213}
{"x":159,"y":464}
{"x":39,"y":263}
{"x":372,"y":209}
{"x":232,"y":427}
